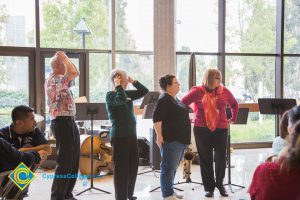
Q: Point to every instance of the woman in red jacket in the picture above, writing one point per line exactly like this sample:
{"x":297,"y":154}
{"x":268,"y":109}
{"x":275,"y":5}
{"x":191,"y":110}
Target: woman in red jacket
{"x":210,"y":127}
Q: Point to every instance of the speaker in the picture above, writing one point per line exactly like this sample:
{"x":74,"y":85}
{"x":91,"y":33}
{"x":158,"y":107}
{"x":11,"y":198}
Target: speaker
{"x":144,"y":150}
{"x":155,"y":157}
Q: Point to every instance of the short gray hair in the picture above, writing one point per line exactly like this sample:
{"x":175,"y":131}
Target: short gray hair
{"x":118,"y":71}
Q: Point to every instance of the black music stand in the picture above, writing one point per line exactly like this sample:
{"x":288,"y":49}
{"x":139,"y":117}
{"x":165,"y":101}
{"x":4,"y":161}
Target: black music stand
{"x":275,"y":106}
{"x":241,"y":119}
{"x":148,"y":113}
{"x":150,"y":98}
{"x":91,"y":111}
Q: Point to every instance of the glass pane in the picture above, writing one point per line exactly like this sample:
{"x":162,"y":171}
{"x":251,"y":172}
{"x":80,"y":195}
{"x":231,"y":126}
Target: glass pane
{"x":202,"y":63}
{"x":197,"y":25}
{"x":98,"y":77}
{"x":17,"y":23}
{"x":250,"y":26}
{"x":74,"y":89}
{"x":291,"y":27}
{"x":13,"y":85}
{"x":291,"y":77}
{"x":59,"y":19}
{"x":182,"y":74}
{"x":140,"y":67}
{"x":250,"y":78}
{"x":134,"y":25}
{"x":259,"y":128}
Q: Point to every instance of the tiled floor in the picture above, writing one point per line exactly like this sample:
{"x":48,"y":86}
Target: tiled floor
{"x":244,"y":161}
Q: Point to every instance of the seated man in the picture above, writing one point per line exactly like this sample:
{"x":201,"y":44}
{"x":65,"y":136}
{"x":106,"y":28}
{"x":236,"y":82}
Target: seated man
{"x":23,"y":133}
{"x":10,"y":158}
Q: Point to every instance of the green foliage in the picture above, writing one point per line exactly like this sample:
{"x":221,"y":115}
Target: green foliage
{"x":254,"y":131}
{"x":9,"y":98}
{"x":61,"y":17}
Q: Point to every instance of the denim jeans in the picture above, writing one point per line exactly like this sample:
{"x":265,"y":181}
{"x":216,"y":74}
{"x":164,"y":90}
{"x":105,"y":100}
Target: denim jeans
{"x":171,"y":154}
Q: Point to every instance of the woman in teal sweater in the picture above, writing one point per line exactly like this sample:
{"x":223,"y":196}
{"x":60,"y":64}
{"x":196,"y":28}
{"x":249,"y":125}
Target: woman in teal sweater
{"x":123,"y":132}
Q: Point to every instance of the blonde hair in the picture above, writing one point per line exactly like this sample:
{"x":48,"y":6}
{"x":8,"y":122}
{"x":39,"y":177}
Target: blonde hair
{"x":209,"y":75}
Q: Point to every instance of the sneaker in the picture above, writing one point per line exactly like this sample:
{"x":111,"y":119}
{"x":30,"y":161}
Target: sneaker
{"x":172,"y":197}
{"x":178,"y":196}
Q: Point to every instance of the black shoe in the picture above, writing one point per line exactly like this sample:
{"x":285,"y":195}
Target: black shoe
{"x":222,"y":191}
{"x":132,"y":198}
{"x":209,"y":194}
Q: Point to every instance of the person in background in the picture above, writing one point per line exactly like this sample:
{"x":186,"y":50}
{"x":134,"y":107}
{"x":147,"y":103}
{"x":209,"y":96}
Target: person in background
{"x":210,"y":127}
{"x":119,"y":105}
{"x":23,"y":133}
{"x":173,"y":133}
{"x":281,"y":141}
{"x":280,"y":179}
{"x":62,"y":112}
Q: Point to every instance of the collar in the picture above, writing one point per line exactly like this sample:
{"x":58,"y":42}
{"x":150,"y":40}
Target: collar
{"x":13,"y":134}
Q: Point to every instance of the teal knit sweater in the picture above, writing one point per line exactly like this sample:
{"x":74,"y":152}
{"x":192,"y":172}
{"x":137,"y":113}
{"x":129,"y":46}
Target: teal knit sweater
{"x":120,"y":109}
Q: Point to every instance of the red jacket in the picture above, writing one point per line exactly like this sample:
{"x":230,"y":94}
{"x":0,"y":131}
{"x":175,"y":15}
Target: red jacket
{"x":226,"y":98}
{"x":271,"y":183}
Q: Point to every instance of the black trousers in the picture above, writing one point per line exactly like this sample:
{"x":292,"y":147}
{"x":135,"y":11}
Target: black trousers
{"x":125,"y":160}
{"x":211,"y":147}
{"x":68,"y":149}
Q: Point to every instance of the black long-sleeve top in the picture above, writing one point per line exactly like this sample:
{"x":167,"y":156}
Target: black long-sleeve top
{"x":120,"y":109}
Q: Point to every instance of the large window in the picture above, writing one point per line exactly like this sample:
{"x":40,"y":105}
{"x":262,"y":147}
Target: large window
{"x":59,"y":19}
{"x":17,"y":23}
{"x":291,"y":77}
{"x":197,"y":25}
{"x":13,"y":85}
{"x":140,"y":67}
{"x":250,"y":78}
{"x":134,"y":25}
{"x":250,"y":26}
{"x":98,"y":76}
{"x":292,"y":27}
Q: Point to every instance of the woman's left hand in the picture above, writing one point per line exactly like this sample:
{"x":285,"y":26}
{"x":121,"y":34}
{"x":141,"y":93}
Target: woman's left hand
{"x":130,"y":80}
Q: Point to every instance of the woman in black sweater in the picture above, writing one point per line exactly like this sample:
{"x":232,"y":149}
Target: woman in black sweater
{"x":123,"y":132}
{"x":173,"y":133}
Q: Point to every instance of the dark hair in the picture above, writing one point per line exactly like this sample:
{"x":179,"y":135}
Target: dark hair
{"x":292,"y":160}
{"x":20,"y":113}
{"x":294,"y":115}
{"x":165,"y":81}
{"x":283,"y":125}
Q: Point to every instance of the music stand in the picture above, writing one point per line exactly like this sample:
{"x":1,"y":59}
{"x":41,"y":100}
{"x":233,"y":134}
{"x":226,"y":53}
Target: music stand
{"x":91,"y":111}
{"x":275,"y":106}
{"x":148,"y":113}
{"x":241,"y":119}
{"x":150,"y":98}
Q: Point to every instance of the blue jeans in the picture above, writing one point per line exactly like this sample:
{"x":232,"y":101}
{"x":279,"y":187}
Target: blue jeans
{"x":171,"y":154}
